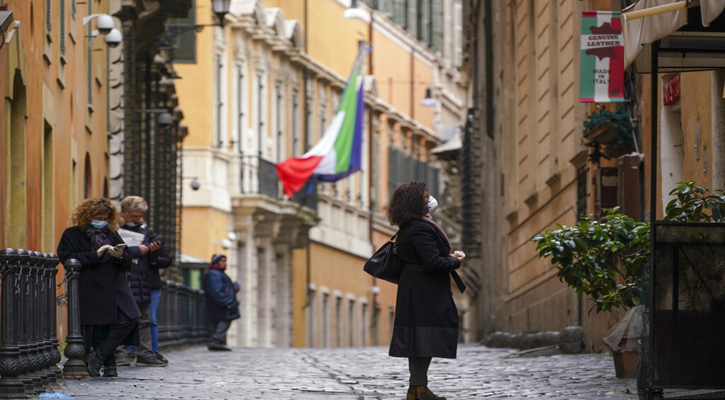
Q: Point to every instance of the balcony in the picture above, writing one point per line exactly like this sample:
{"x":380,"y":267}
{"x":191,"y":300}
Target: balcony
{"x":262,"y":207}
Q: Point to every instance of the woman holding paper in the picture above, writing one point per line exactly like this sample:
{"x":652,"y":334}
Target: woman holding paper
{"x":108,"y":312}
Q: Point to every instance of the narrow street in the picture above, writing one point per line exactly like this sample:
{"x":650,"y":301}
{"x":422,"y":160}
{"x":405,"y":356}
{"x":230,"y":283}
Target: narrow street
{"x":367,"y":373}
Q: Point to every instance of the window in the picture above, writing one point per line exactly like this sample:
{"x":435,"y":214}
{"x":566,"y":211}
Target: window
{"x":218,"y":99}
{"x":325,"y":320}
{"x":400,"y":13}
{"x":87,"y":178}
{"x":90,"y":58}
{"x":279,"y":123}
{"x":436,"y":42}
{"x":350,"y":323}
{"x":338,"y":321}
{"x":295,"y":122}
{"x":364,"y":325}
{"x":49,"y":16}
{"x":62,"y":27}
{"x":185,"y":44}
{"x":240,"y":107}
{"x":47,"y":200}
{"x":311,"y":320}
{"x":260,"y":113}
{"x":423,"y":21}
{"x":376,"y":325}
{"x":581,"y":192}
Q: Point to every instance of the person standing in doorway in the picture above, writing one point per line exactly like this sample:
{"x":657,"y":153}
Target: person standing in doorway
{"x":221,"y":301}
{"x":150,"y":256}
{"x":108,"y":312}
{"x":426,"y":318}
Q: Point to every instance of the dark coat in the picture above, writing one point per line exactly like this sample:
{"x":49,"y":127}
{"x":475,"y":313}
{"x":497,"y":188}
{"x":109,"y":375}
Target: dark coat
{"x":220,"y":293}
{"x":145,"y":273}
{"x":426,"y":318}
{"x":102,"y":283}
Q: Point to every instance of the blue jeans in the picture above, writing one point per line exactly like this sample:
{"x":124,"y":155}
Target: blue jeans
{"x":153,"y":322}
{"x":154,"y":312}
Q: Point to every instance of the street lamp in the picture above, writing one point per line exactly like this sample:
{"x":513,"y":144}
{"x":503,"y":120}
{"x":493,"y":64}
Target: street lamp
{"x":354,"y":12}
{"x":429,"y":101}
{"x":221,"y":9}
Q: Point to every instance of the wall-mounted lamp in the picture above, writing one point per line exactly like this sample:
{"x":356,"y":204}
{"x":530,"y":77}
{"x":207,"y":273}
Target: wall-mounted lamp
{"x":106,"y":26}
{"x":354,"y":12}
{"x":7,"y":25}
{"x":429,"y":101}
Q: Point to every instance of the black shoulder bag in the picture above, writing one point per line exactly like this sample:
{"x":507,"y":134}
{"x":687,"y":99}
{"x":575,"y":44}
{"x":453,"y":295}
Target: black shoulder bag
{"x":385,"y":263}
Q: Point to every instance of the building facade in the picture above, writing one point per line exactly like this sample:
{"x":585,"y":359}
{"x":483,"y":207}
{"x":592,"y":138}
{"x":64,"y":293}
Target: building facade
{"x":266,"y":87}
{"x":525,"y":137}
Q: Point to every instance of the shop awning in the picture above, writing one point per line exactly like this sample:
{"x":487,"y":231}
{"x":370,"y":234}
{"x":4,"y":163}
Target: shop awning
{"x":665,"y":25}
{"x":453,"y":144}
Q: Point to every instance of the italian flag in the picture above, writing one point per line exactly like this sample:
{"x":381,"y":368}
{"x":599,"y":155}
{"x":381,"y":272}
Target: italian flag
{"x":339,"y":153}
{"x":602,"y":57}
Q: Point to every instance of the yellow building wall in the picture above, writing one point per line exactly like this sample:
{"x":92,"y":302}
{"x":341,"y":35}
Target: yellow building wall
{"x":337,"y":271}
{"x":203,"y":230}
{"x":56,"y":128}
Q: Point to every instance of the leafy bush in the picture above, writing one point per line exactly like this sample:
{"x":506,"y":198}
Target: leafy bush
{"x":692,"y":204}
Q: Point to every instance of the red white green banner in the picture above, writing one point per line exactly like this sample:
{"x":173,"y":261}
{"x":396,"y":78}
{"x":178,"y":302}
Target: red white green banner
{"x":602,"y":57}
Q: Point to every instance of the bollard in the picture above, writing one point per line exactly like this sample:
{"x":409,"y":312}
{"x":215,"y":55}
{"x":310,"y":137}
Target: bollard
{"x":23,"y":318}
{"x":40,"y":380}
{"x":55,"y":358}
{"x":75,"y":351}
{"x":11,"y":386}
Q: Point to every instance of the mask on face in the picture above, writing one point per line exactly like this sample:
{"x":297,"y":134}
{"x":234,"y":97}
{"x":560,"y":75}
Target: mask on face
{"x":131,"y":224}
{"x":432,"y":205}
{"x":99,"y":224}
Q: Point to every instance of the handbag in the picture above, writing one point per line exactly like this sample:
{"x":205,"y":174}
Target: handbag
{"x":385,"y":263}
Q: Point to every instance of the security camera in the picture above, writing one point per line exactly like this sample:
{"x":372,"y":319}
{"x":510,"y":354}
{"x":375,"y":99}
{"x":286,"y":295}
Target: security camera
{"x":195,"y":184}
{"x":165,"y":119}
{"x":105,"y":24}
{"x":226,"y":244}
{"x":114,"y":37}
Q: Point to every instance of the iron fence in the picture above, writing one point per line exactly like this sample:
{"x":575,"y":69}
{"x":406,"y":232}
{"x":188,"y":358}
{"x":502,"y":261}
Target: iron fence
{"x":683,"y":352}
{"x":182,"y":316}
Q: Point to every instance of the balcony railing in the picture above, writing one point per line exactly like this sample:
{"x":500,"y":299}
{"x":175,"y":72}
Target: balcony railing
{"x":259,"y":176}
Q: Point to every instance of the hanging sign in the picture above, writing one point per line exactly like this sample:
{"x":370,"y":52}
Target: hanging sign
{"x":602,"y":57}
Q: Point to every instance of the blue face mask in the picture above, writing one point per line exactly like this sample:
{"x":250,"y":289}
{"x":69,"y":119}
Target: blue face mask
{"x":99,"y":224}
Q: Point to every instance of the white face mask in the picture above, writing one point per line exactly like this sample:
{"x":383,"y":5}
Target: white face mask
{"x":432,"y":205}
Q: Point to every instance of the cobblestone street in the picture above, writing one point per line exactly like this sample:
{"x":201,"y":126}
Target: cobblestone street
{"x":367,"y":373}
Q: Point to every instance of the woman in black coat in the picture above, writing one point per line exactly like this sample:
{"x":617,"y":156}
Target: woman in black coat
{"x":108,"y":311}
{"x":426,"y":318}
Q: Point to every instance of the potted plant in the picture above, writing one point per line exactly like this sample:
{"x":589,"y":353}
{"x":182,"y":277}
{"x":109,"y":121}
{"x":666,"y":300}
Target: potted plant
{"x":606,"y":260}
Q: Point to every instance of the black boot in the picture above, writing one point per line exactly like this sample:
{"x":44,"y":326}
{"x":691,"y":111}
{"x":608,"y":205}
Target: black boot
{"x":111,"y":371}
{"x":94,"y":365}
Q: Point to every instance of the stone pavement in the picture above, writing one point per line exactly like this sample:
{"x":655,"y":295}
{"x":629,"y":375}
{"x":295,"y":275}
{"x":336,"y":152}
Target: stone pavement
{"x":478,"y":373}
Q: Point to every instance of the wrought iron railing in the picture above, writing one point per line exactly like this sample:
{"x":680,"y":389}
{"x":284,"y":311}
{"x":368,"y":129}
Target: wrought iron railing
{"x":259,"y":176}
{"x":29,"y":346}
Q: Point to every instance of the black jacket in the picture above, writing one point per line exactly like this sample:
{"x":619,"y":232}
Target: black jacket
{"x":145,"y":273}
{"x":426,"y":318}
{"x":102,"y":283}
{"x":220,"y":293}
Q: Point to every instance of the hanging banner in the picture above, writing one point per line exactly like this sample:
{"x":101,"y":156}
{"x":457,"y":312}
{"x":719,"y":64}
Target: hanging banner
{"x":602,"y":57}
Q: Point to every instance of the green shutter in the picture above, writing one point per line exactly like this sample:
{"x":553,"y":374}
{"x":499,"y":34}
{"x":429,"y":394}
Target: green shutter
{"x":437,"y":41}
{"x":185,"y":44}
{"x":49,"y":16}
{"x":62,"y":27}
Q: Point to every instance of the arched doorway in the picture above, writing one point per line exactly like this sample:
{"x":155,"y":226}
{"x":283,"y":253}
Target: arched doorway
{"x":16,"y":211}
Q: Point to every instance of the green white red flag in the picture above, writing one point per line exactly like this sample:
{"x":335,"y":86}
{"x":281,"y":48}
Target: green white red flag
{"x":602,"y":57}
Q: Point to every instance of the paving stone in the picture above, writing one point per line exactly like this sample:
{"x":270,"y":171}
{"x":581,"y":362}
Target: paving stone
{"x":345,"y":374}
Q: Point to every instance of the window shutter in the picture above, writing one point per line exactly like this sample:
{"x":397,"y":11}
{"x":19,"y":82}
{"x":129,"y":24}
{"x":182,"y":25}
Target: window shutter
{"x":413,"y":17}
{"x":218,"y":87}
{"x":62,"y":27}
{"x":437,"y":41}
{"x":49,"y":16}
{"x":400,"y":14}
{"x":386,"y":7}
{"x":458,"y":35}
{"x":185,"y":44}
{"x":424,"y":34}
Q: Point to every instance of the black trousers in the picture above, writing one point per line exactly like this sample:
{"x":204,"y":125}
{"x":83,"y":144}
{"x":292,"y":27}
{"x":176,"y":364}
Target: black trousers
{"x":419,"y":370}
{"x":107,"y":337}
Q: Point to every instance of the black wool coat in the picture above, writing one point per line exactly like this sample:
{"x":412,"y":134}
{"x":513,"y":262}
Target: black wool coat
{"x":102,"y":283}
{"x":426,"y":318}
{"x":145,"y":273}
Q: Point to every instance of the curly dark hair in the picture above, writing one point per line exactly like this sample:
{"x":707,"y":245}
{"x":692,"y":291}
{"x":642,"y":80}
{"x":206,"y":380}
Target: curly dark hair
{"x":408,"y":202}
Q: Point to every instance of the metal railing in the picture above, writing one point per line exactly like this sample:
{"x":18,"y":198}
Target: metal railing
{"x":29,"y":346}
{"x":259,"y":176}
{"x":182,"y":316}
{"x":29,"y":350}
